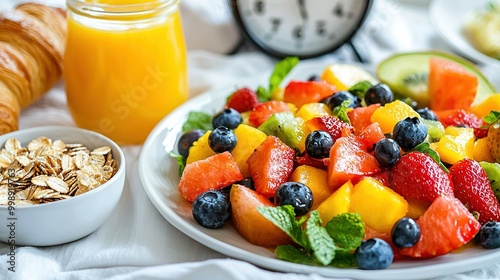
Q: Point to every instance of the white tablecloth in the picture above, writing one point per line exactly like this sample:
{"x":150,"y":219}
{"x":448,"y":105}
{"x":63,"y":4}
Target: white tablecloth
{"x":136,"y":242}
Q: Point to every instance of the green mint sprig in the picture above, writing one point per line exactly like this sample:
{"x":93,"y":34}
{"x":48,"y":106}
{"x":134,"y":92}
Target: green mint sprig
{"x":341,"y":111}
{"x":281,"y":70}
{"x":197,"y":120}
{"x":359,"y":89}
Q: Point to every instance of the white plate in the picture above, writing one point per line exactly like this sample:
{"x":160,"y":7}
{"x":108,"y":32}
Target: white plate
{"x":448,"y":18}
{"x":159,"y":175}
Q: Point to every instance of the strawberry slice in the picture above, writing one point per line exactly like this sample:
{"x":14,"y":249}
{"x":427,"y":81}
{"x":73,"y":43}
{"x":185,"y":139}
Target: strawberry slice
{"x":270,"y":165}
{"x":303,"y":92}
{"x":445,"y":226}
{"x":417,"y":176}
{"x":472,"y":187}
{"x":212,"y":173}
{"x":349,"y":161}
{"x":314,"y":162}
{"x":242,"y":100}
{"x":458,"y":117}
{"x":334,"y":126}
{"x":264,"y":110}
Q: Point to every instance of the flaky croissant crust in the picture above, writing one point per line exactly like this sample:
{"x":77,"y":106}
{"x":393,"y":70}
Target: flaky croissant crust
{"x":32,"y":39}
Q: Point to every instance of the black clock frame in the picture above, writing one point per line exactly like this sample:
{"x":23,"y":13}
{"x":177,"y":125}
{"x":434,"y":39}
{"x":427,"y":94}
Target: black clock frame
{"x":263,"y":47}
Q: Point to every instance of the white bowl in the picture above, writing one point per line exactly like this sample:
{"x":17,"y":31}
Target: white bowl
{"x":69,"y":219}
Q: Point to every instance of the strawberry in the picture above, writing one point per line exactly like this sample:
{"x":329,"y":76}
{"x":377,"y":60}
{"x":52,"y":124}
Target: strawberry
{"x":314,"y":162}
{"x":242,"y":100}
{"x":270,"y":165}
{"x":303,"y":92}
{"x":445,"y":226}
{"x":458,"y":117}
{"x":494,"y":140}
{"x":334,"y":126}
{"x":349,"y":161}
{"x":472,"y":187}
{"x":264,"y":110}
{"x":417,"y":176}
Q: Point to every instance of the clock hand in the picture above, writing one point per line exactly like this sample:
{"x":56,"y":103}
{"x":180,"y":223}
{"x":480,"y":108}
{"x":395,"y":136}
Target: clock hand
{"x":303,"y":12}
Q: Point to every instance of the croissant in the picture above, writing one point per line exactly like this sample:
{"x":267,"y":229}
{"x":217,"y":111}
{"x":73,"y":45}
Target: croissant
{"x":32,"y":39}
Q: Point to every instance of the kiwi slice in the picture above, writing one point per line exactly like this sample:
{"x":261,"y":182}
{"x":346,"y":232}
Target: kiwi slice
{"x":406,"y":74}
{"x":286,"y":127}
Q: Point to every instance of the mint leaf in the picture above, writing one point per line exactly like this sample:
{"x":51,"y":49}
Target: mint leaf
{"x":197,"y":120}
{"x":425,"y":148}
{"x":292,"y":254}
{"x":341,"y":111}
{"x":492,"y":117}
{"x":281,"y":70}
{"x":181,"y":161}
{"x":347,"y":230}
{"x":321,"y":243}
{"x":493,"y":172}
{"x":359,"y":89}
{"x":284,"y":218}
{"x":344,"y":259}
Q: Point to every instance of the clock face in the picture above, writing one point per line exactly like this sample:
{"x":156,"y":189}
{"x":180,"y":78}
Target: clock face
{"x":304,"y":28}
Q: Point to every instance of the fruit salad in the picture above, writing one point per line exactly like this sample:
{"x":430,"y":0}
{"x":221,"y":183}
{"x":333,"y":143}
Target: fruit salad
{"x":350,"y":170}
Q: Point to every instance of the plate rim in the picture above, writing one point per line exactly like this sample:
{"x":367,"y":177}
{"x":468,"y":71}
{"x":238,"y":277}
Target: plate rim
{"x":433,"y":270}
{"x":465,"y":48}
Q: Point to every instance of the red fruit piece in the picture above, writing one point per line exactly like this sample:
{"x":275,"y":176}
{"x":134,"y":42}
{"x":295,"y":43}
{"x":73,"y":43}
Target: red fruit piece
{"x":447,"y":81}
{"x":242,"y":100}
{"x":444,"y":227}
{"x":417,"y":176}
{"x":373,"y":233}
{"x":334,"y":126}
{"x":459,"y":117}
{"x":212,"y":173}
{"x":370,"y":135}
{"x":314,"y":162}
{"x":360,"y":117}
{"x":303,"y":92}
{"x":270,"y":165}
{"x":472,"y":187}
{"x":264,"y":110}
{"x":349,"y":161}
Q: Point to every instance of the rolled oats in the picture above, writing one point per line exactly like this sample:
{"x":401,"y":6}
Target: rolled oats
{"x":46,"y":170}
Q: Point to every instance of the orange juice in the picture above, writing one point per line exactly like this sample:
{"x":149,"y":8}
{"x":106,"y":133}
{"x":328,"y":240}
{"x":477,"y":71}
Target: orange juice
{"x":124,"y":71}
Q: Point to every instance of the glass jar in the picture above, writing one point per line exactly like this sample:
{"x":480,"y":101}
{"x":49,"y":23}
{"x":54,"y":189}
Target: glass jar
{"x":125,"y":65}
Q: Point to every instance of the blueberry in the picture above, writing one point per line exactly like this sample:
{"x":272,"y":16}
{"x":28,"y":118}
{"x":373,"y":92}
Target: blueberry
{"x":314,"y":78}
{"x":211,"y":209}
{"x":186,"y":141}
{"x":222,"y":139}
{"x":489,"y":235}
{"x":427,"y":114}
{"x":247,"y":182}
{"x":405,"y":233}
{"x":318,"y":144}
{"x":295,"y":194}
{"x":374,"y":253}
{"x":379,"y":93}
{"x":228,"y":117}
{"x":337,"y":98}
{"x":387,"y":152}
{"x":410,"y":132}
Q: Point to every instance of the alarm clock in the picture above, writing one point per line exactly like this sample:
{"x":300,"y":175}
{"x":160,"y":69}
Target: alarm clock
{"x":302,"y":28}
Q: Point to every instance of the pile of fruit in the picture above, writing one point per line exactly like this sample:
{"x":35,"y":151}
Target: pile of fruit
{"x":344,"y":170}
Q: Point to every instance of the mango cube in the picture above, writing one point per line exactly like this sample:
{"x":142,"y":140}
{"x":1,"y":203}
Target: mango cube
{"x":391,"y":113}
{"x":456,"y":144}
{"x":315,"y":179}
{"x":337,"y":203}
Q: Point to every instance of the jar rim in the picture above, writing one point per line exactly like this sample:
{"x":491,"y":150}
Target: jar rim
{"x":117,"y":11}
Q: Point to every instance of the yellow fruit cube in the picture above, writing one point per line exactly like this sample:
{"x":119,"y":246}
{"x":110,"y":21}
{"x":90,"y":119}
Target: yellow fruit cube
{"x":379,"y":206}
{"x":200,"y":149}
{"x":390,"y":114}
{"x":491,"y":103}
{"x":456,"y":144}
{"x":344,"y":76}
{"x":482,"y":151}
{"x":416,"y":208}
{"x":312,"y":110}
{"x":315,"y":179}
{"x":249,"y":138}
{"x":337,"y":203}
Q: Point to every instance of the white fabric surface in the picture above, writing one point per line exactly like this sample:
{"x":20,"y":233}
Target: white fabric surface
{"x":137,"y":242}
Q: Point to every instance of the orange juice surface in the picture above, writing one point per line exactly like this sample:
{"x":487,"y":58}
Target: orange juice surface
{"x":122,"y":81}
